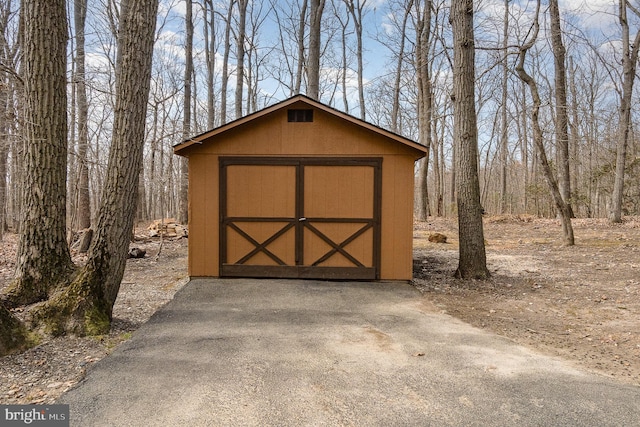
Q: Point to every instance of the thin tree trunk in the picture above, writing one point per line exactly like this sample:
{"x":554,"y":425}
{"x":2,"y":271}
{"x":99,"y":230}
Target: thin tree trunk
{"x":574,"y":131}
{"x":313,"y":64}
{"x":425,"y":102}
{"x":473,"y":261}
{"x":241,"y":34}
{"x":225,"y":65}
{"x":301,"y":57}
{"x":343,"y":52}
{"x":5,"y":112}
{"x":629,"y":61}
{"x":538,"y":139}
{"x":84,"y":201}
{"x":562,"y":117}
{"x":504,"y":127}
{"x":183,"y":198}
{"x":395,"y":105}
{"x":209,"y":39}
{"x":355,"y":9}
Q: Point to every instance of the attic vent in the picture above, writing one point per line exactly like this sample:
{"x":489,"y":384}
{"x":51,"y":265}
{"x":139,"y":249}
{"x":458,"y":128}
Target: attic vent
{"x":300,"y":115}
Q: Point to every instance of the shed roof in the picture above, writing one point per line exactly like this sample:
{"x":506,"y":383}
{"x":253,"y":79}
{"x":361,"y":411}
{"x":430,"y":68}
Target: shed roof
{"x":199,"y":139}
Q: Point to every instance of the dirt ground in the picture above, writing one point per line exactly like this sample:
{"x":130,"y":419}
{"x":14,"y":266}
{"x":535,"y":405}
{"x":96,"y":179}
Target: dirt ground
{"x":581,"y":303}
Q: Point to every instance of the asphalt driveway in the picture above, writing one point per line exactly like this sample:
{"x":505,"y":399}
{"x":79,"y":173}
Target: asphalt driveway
{"x":309,"y":353}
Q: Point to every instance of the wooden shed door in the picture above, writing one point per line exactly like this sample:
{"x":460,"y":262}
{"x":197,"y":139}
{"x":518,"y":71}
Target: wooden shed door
{"x":300,"y":217}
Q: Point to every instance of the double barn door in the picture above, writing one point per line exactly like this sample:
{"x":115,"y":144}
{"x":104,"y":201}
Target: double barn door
{"x":300,"y":217}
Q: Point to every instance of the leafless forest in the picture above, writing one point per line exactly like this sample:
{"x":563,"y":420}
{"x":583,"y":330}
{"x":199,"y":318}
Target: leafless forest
{"x":389,"y":63}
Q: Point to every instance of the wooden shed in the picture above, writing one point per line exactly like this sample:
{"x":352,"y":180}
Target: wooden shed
{"x":301,"y":190}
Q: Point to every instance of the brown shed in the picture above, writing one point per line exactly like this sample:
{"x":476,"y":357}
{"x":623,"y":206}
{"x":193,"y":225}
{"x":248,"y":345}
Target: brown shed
{"x":301,"y":190}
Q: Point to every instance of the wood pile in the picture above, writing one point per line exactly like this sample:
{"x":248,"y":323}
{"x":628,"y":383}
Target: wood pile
{"x":167,"y":228}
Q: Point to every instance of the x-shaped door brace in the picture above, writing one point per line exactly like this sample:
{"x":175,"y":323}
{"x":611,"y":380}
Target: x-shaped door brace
{"x":261,"y":247}
{"x":338,"y":247}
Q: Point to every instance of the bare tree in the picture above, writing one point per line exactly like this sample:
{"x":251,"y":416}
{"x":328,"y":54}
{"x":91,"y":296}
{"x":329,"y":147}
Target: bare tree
{"x":8,"y":83}
{"x":504,"y":127}
{"x":562,"y":115}
{"x":356,"y":9}
{"x":83,"y":197}
{"x":473,"y":261}
{"x":629,"y":64}
{"x":344,"y":25}
{"x":399,"y":66}
{"x":425,"y":99}
{"x":561,"y":206}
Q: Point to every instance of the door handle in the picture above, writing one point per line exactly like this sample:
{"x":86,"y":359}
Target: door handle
{"x":302,"y":219}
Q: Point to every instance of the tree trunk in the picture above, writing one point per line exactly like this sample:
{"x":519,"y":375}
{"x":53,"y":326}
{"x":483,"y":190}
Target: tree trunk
{"x":84,"y":201}
{"x":301,"y":56}
{"x":313,"y":64}
{"x":538,"y":139}
{"x":629,"y":61}
{"x":183,"y":199}
{"x":473,"y":262}
{"x":504,"y":127}
{"x":225,"y":65}
{"x":43,"y":255}
{"x":210,"y":58}
{"x":356,"y":13}
{"x":425,"y":102}
{"x":395,"y":105}
{"x":242,"y":25}
{"x":562,"y":116}
{"x":86,"y":306}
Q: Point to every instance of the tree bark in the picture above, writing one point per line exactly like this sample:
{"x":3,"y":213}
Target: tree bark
{"x":560,"y":204}
{"x":313,"y":64}
{"x":84,"y":201}
{"x":425,"y":102}
{"x":504,"y":127}
{"x":355,"y":9}
{"x":210,"y":59}
{"x":472,"y":262}
{"x":562,"y":116}
{"x":43,"y":255}
{"x":242,"y":25}
{"x":395,"y":105}
{"x":629,"y":62}
{"x":301,"y":55}
{"x":85,"y":307}
{"x":183,"y":199}
{"x":225,"y":64}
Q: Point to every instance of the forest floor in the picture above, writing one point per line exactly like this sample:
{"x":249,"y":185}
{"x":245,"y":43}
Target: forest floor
{"x":580,"y":303}
{"x":43,"y":373}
